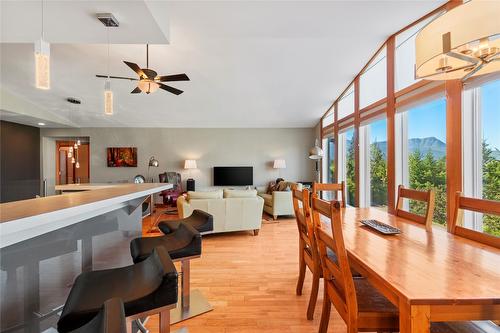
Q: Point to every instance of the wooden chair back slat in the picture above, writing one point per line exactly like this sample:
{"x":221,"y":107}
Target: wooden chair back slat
{"x":331,"y":187}
{"x":301,"y":207}
{"x":424,"y":196}
{"x":480,"y":205}
{"x":476,"y":205}
{"x":338,"y":276}
{"x":411,"y":216}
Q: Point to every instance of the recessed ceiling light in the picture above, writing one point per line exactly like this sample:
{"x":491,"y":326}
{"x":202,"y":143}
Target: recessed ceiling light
{"x":41,"y":124}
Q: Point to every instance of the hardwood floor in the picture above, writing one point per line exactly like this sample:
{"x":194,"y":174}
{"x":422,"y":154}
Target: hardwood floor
{"x":250,"y":281}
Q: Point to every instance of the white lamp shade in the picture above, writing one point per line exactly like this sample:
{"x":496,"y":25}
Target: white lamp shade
{"x":148,"y":86}
{"x":279,"y":164}
{"x":190,"y":164}
{"x":466,"y":24}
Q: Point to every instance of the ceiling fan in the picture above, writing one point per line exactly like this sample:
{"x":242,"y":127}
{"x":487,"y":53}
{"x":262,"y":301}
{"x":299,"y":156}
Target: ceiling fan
{"x":149,"y":80}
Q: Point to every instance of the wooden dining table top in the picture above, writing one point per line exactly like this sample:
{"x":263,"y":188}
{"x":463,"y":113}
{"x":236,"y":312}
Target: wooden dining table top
{"x":423,"y":267}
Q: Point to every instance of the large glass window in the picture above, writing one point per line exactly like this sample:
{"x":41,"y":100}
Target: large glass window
{"x":423,"y":153}
{"x":346,"y":164}
{"x":328,"y":160}
{"x":328,"y":119}
{"x":481,"y":152}
{"x":373,"y":81}
{"x":346,"y":103}
{"x":378,"y":163}
{"x":405,"y":55}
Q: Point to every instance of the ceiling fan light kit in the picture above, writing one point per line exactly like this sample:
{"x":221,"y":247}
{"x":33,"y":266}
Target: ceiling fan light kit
{"x":461,"y":43}
{"x":148,"y":80}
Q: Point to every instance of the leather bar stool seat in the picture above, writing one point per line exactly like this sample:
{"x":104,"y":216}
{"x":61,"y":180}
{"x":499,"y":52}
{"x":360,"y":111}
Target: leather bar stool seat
{"x":200,"y":220}
{"x":143,"y":287}
{"x":110,"y":319}
{"x":184,"y":242}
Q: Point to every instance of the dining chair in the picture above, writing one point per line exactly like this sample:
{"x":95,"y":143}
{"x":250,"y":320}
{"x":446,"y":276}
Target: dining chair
{"x":359,"y":304}
{"x":476,"y":205}
{"x":422,"y":196}
{"x":331,"y":187}
{"x":308,"y":250}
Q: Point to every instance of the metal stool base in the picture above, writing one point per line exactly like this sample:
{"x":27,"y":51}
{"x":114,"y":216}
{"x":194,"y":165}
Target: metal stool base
{"x":198,"y":305}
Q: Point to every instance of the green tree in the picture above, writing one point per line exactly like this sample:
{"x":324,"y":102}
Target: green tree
{"x":427,"y":172}
{"x":491,"y":188}
{"x":378,"y":175}
{"x":351,"y":179}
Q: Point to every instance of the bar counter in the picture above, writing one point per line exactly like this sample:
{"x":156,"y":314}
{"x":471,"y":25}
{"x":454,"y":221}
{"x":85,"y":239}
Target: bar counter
{"x":46,"y":242}
{"x":21,"y":220}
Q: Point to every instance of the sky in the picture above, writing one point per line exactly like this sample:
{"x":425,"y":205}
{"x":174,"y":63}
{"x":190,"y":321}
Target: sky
{"x":490,"y":102}
{"x":429,"y":119}
{"x":424,"y":121}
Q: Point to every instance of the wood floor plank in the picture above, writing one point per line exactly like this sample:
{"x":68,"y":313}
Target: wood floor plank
{"x":250,"y":281}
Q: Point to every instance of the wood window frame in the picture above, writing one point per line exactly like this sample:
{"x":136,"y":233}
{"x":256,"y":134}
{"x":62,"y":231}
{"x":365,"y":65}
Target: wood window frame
{"x":414,"y":93}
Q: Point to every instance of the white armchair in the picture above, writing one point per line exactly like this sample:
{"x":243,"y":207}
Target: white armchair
{"x":279,"y":202}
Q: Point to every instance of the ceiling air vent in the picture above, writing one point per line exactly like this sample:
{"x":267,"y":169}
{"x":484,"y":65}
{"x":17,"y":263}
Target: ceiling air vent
{"x":108,"y":19}
{"x":73,"y":100}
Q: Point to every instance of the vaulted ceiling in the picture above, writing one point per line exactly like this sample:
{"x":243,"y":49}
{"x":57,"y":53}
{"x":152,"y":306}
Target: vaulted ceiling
{"x":251,"y":63}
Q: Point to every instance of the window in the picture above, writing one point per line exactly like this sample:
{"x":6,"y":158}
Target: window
{"x":405,"y":55}
{"x":346,"y":164}
{"x":378,"y":163}
{"x":421,"y":154}
{"x":328,"y":160}
{"x":373,"y":81}
{"x":328,"y":119}
{"x":481,"y":151}
{"x":346,"y":103}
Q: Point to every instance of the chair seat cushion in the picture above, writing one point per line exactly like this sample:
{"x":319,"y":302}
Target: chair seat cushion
{"x":182,"y":243}
{"x":461,"y":327}
{"x":145,"y":286}
{"x":370,"y":300}
{"x":200,"y":220}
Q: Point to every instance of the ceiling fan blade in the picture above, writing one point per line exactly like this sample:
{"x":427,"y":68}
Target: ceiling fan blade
{"x":117,"y":77}
{"x":175,"y":77}
{"x":135,"y":68}
{"x":170,"y":89}
{"x":136,"y":91}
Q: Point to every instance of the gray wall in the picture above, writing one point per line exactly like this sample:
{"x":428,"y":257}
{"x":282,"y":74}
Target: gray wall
{"x":210,"y":147}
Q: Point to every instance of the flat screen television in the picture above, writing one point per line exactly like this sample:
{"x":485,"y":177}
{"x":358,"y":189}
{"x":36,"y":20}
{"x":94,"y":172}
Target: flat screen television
{"x":233,"y":176}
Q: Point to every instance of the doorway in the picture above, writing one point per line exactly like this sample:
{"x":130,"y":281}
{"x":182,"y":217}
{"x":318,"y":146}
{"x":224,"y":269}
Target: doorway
{"x":72,"y":162}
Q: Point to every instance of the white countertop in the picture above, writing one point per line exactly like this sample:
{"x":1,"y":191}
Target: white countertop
{"x":21,"y":220}
{"x":86,"y":186}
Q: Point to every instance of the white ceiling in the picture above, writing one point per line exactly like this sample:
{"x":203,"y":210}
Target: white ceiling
{"x":251,"y":63}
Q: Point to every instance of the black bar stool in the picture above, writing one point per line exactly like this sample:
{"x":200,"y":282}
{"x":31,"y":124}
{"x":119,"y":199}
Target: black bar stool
{"x":183,"y":245}
{"x":146,"y":288}
{"x":200,"y":220}
{"x":110,"y":319}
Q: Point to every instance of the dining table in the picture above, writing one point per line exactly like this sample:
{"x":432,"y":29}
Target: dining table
{"x":430,"y":275}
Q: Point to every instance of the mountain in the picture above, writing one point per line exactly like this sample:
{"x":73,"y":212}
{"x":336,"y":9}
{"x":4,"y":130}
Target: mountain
{"x":424,"y":145}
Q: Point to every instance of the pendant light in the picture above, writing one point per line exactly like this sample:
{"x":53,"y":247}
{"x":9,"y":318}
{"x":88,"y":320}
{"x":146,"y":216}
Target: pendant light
{"x":461,"y":43}
{"x":108,"y":94}
{"x":42,"y":61}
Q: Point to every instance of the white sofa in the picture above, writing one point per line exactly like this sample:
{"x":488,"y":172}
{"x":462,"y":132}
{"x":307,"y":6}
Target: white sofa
{"x":233,"y":210}
{"x":279,"y":203}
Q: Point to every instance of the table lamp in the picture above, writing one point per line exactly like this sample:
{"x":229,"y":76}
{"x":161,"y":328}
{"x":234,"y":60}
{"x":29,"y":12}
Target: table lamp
{"x":279,"y":164}
{"x":188,"y":165}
